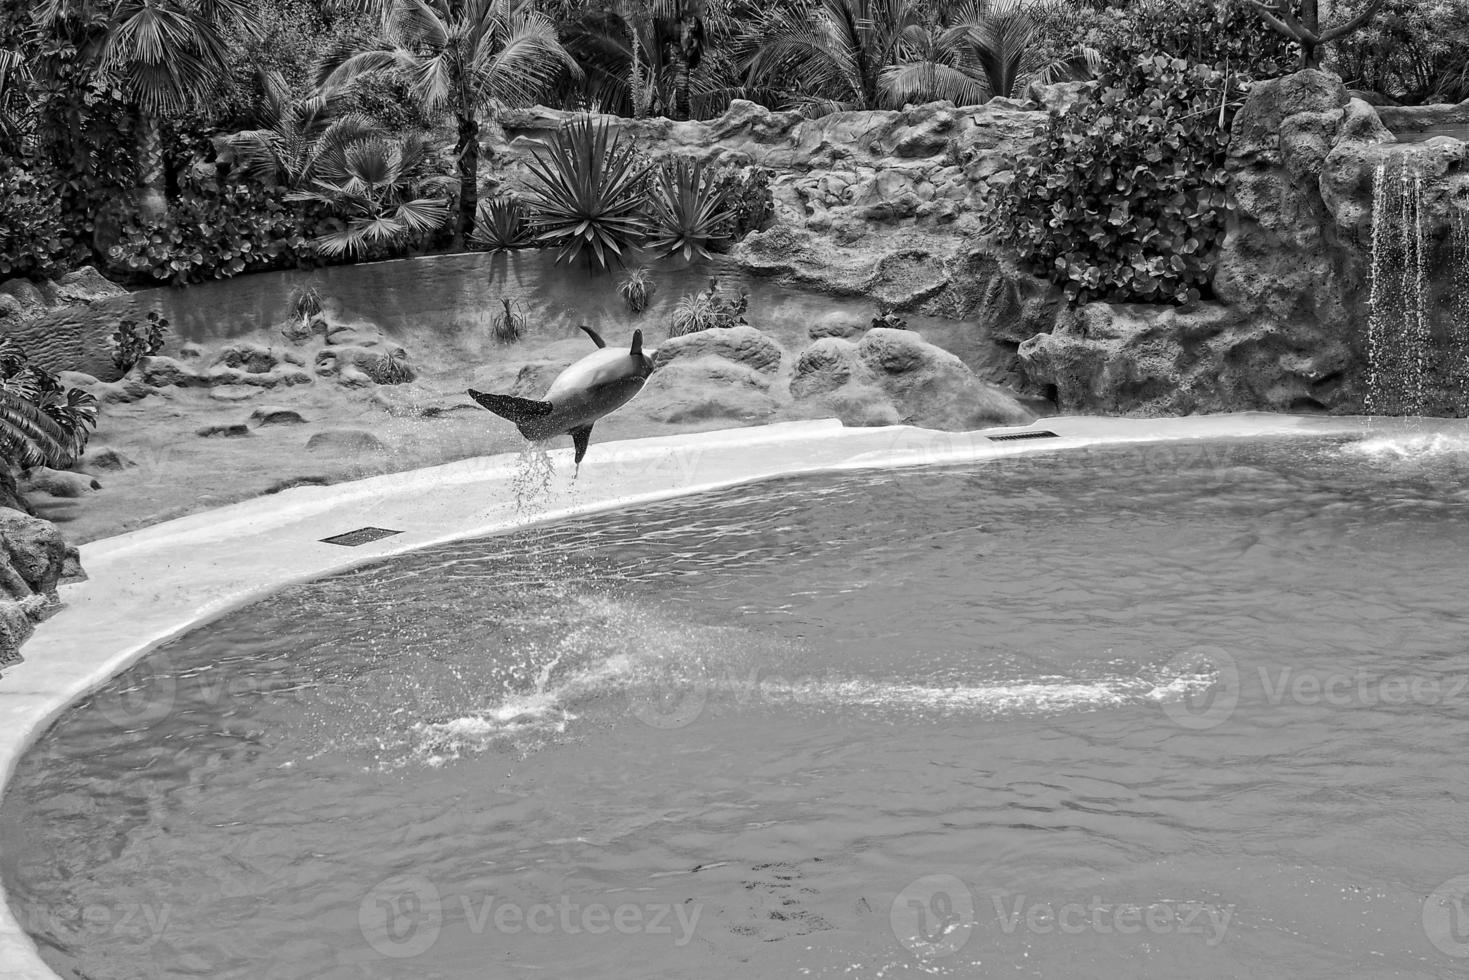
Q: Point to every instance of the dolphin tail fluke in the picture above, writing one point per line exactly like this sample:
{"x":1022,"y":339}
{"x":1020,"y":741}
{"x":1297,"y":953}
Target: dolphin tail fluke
{"x":580,"y":437}
{"x":517,"y":410}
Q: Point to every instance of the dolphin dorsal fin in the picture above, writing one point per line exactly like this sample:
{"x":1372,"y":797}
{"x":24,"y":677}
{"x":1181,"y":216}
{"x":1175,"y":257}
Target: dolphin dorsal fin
{"x":596,"y":337}
{"x":637,"y":343}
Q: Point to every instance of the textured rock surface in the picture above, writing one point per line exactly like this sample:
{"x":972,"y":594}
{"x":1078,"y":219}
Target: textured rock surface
{"x":32,"y":560}
{"x":1289,"y":330}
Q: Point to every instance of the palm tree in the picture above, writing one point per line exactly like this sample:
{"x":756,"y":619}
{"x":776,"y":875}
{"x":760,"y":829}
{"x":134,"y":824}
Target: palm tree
{"x":167,"y":55}
{"x":463,"y":57}
{"x":385,"y":191}
{"x":15,"y":110}
{"x":678,"y":27}
{"x":837,"y":50}
{"x":294,"y":136}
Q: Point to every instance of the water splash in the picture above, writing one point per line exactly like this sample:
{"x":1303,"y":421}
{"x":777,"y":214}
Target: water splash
{"x":531,"y":484}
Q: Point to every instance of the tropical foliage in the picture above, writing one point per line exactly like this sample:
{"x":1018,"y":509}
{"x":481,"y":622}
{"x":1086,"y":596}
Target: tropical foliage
{"x":383,"y":194}
{"x":463,"y":57}
{"x":502,"y":224}
{"x":1125,"y":198}
{"x":690,"y":209}
{"x":637,"y":289}
{"x":42,"y":422}
{"x":707,"y":310}
{"x":132,"y":341}
{"x":588,"y":192}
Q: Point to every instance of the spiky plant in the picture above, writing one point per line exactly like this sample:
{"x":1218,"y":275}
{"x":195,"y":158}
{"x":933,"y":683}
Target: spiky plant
{"x":502,"y":225}
{"x":690,"y":209}
{"x":708,"y":310}
{"x":509,"y":325}
{"x":588,"y":194}
{"x":637,"y":289}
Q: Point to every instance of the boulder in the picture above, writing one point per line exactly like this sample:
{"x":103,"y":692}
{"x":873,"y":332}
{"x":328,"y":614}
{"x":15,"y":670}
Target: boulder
{"x":33,"y":558}
{"x":838,"y":323}
{"x":825,"y":366}
{"x":272,"y":415}
{"x":227,"y":430}
{"x":57,"y":483}
{"x":353,"y":441}
{"x":358,"y":367}
{"x":705,"y":389}
{"x":742,"y":345}
{"x":108,"y":461}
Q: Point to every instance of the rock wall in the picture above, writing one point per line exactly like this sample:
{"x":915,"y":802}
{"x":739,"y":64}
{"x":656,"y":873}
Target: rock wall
{"x":1290,"y":330}
{"x":33,"y":559}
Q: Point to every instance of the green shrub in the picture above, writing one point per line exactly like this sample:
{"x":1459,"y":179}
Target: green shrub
{"x":31,"y":241}
{"x":1124,"y":198}
{"x":747,"y":197}
{"x":132,"y":341}
{"x":214,"y":233}
{"x":1224,"y":34}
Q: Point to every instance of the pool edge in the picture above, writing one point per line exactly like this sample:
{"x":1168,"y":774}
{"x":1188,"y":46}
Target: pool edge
{"x":169,"y":578}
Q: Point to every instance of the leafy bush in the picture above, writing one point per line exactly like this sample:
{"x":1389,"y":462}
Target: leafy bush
{"x":747,"y":196}
{"x":42,"y":422}
{"x":708,"y":310}
{"x":31,"y":241}
{"x":214,"y":233}
{"x":588,"y":192}
{"x":501,"y":224}
{"x":689,"y":209}
{"x":1225,"y":34}
{"x":1125,"y":197}
{"x":132,"y":341}
{"x":637,"y":289}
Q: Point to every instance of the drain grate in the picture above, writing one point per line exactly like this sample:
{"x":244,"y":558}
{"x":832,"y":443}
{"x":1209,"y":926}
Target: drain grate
{"x":362,"y":535}
{"x":1012,"y":436}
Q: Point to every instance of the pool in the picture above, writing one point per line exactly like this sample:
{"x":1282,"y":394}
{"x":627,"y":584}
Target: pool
{"x":1139,"y":711}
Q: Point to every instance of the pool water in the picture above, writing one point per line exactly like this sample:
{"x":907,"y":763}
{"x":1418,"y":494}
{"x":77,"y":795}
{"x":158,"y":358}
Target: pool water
{"x":1193,"y":709}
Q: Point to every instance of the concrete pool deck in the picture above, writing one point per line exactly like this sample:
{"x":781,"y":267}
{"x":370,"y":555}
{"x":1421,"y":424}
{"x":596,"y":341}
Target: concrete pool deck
{"x":153,"y":584}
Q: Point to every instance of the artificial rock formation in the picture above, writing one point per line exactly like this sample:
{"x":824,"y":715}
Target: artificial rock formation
{"x":32,"y":560}
{"x":1289,"y":330}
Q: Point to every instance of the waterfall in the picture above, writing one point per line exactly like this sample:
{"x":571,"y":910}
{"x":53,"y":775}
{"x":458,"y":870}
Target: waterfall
{"x":1398,"y":327}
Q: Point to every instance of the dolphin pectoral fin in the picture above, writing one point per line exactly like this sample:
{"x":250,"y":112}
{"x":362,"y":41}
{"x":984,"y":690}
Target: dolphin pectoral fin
{"x":517,"y":410}
{"x":637,"y":343}
{"x":580,"y":436}
{"x":596,"y":337}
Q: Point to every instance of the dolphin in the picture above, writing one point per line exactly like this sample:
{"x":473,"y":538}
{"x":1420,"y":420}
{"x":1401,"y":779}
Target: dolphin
{"x":594,"y":386}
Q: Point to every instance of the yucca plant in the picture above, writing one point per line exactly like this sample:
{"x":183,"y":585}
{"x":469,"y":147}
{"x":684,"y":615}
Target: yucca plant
{"x":690,"y":209}
{"x":42,"y":423}
{"x":637,"y":289}
{"x":509,"y":325}
{"x":501,"y":225}
{"x":588,"y":192}
{"x":386,"y":192}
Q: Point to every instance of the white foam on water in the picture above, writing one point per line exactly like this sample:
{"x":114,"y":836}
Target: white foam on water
{"x":1430,"y":445}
